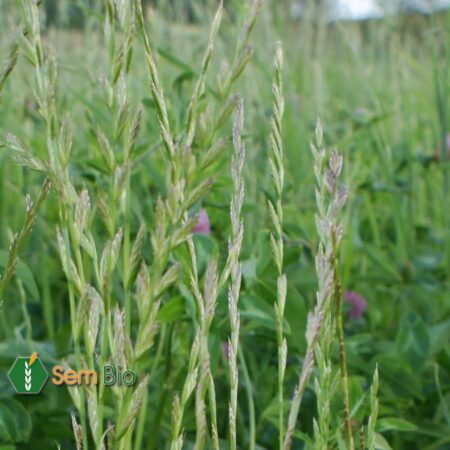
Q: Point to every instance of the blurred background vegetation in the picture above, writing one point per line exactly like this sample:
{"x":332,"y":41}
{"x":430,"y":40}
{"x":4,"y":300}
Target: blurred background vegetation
{"x":382,"y":90}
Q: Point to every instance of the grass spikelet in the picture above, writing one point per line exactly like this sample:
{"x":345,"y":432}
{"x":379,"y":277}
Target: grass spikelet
{"x":233,"y":265}
{"x":9,"y":64}
{"x":20,"y":238}
{"x":77,"y":433}
{"x":276,"y":214}
{"x":329,"y":199}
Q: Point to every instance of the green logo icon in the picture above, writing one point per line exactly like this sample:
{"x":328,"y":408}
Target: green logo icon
{"x":28,"y":374}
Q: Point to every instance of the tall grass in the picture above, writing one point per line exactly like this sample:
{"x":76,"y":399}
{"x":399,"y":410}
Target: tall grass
{"x":238,"y":330}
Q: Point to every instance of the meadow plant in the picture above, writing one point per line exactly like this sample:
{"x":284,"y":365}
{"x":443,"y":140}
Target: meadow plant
{"x":157,"y":270}
{"x":276,"y":212}
{"x":102,"y":329}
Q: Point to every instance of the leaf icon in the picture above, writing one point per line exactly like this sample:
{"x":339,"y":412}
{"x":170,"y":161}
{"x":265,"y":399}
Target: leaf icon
{"x":27,"y":376}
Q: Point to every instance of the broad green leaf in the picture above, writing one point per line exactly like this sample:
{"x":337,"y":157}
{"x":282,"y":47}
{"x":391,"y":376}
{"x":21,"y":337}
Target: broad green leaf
{"x":413,"y":340}
{"x":394,"y":423}
{"x":258,"y":311}
{"x":398,"y":376}
{"x":296,"y":314}
{"x":6,"y":389}
{"x":206,"y":248}
{"x":172,"y":310}
{"x":22,"y":420}
{"x":7,"y":425}
{"x":15,"y":422}
{"x":381,"y":443}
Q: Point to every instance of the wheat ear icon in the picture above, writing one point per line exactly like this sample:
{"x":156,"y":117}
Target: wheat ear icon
{"x":27,"y":376}
{"x":28,"y":371}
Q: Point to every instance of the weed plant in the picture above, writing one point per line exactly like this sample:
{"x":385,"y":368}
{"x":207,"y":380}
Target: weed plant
{"x":265,"y":295}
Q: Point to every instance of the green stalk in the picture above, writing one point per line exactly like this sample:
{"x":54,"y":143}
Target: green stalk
{"x":103,"y":358}
{"x":250,"y":401}
{"x":73,"y":316}
{"x":154,"y":429}
{"x":341,"y":340}
{"x":47,"y":304}
{"x":141,"y":423}
{"x":126,"y":257}
{"x":26,"y":316}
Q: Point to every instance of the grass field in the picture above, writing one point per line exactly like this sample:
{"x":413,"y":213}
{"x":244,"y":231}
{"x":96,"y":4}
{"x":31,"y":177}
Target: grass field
{"x":171,"y":203}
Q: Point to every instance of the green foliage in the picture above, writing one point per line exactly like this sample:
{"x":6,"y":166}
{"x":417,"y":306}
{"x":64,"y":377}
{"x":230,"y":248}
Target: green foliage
{"x":131,"y":119}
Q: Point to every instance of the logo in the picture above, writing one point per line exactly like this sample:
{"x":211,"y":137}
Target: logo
{"x":28,"y":374}
{"x":111,"y":376}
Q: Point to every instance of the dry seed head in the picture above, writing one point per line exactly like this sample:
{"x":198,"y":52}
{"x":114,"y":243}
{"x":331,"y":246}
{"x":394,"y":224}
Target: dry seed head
{"x":82,"y":209}
{"x":143,"y":293}
{"x":119,"y":343}
{"x":77,"y":432}
{"x":210,"y":289}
